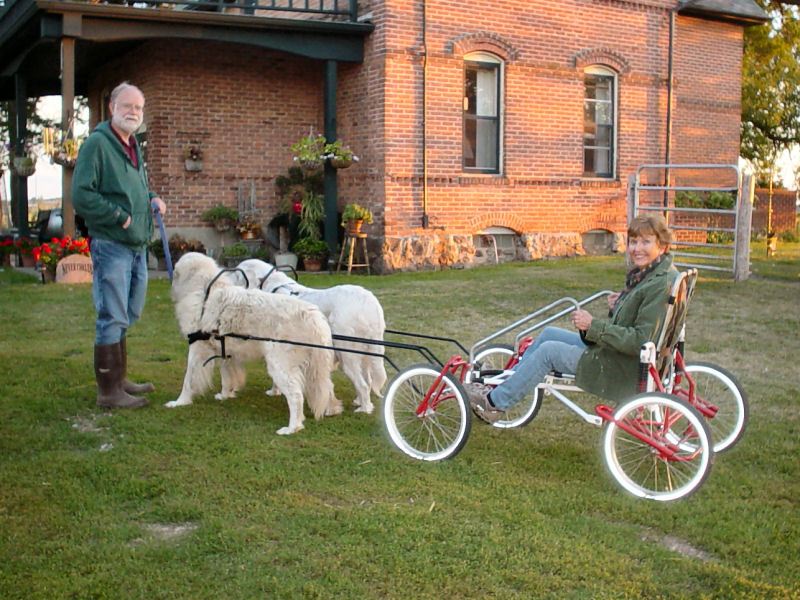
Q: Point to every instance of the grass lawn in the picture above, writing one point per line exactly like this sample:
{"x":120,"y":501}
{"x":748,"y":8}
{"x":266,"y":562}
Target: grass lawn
{"x":207,"y":502}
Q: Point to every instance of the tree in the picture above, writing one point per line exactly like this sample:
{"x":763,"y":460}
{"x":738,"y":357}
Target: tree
{"x":771,"y":87}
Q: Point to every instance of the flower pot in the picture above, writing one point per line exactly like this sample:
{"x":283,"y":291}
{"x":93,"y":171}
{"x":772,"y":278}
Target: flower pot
{"x":223,"y":225}
{"x":286,"y":259}
{"x":312,"y":264}
{"x":65,"y":161}
{"x":248,"y":234}
{"x":5,"y":260}
{"x":341,"y":163}
{"x":48,"y":276}
{"x":309,"y":166}
{"x":27,"y":260}
{"x":21,"y":167}
{"x":354,"y":225}
{"x":193,"y":165}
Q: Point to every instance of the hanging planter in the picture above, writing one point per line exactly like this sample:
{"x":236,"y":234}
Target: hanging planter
{"x":23,"y":166}
{"x":65,"y":161}
{"x":193,"y":158}
{"x":341,"y":163}
{"x":193,"y":166}
{"x":309,"y":165}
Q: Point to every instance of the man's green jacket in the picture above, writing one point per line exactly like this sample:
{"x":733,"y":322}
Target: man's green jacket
{"x":107,"y":189}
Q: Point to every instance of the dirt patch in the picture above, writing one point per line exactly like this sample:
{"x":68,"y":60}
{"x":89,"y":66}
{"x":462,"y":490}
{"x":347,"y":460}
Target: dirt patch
{"x":86,"y":424}
{"x":164,"y":532}
{"x":675,"y":544}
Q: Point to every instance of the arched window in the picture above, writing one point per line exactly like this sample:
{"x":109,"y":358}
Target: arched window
{"x":481,"y":138}
{"x":599,"y":122}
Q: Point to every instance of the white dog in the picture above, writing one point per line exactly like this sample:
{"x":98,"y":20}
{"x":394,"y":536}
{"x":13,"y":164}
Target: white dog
{"x":351,"y":311}
{"x":229,"y":309}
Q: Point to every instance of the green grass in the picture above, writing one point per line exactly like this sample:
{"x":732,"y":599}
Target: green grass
{"x":206,"y":501}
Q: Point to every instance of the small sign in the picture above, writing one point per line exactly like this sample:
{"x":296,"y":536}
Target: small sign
{"x":75,"y":268}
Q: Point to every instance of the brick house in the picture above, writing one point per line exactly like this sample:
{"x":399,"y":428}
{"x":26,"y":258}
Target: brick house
{"x":486,"y":131}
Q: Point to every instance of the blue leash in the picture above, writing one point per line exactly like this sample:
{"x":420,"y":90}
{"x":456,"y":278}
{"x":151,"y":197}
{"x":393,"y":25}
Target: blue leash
{"x":164,"y":242}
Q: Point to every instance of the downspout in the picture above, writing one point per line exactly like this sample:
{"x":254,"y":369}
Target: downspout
{"x":670,"y":85}
{"x":424,"y":117}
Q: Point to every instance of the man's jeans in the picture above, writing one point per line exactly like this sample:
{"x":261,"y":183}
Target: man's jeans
{"x":553,"y":349}
{"x":119,"y":287}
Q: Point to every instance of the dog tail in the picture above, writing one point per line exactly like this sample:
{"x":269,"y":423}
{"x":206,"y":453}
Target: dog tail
{"x":318,"y":385}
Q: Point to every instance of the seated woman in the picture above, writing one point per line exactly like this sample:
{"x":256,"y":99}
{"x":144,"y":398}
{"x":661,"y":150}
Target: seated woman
{"x":603,"y":354}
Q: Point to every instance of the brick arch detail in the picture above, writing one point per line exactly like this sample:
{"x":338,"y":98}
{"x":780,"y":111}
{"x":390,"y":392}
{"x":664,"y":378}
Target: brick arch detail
{"x":482,"y":41}
{"x":601,"y":56}
{"x":498,"y":219}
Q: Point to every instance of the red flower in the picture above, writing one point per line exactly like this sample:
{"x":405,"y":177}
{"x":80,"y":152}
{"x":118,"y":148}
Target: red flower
{"x":297,"y":207}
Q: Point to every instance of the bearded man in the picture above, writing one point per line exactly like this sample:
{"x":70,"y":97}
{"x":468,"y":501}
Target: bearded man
{"x":110,"y":191}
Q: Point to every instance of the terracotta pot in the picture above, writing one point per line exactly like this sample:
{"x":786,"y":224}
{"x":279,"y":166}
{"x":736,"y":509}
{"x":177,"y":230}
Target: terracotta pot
{"x":27,"y":260}
{"x":312,"y":264}
{"x":248,"y":234}
{"x":354,"y":225}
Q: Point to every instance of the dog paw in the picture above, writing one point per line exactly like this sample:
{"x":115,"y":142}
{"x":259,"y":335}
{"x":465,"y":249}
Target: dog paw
{"x":177,"y":402}
{"x":273,"y":392}
{"x":365,"y":409}
{"x":336,"y":410}
{"x":221,"y":396}
{"x":289,"y":430}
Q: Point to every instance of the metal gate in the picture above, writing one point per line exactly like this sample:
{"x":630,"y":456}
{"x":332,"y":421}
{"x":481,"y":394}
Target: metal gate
{"x":714,"y":239}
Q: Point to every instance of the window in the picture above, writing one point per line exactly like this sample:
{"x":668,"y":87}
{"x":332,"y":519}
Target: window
{"x":599,"y":132}
{"x":481,"y":117}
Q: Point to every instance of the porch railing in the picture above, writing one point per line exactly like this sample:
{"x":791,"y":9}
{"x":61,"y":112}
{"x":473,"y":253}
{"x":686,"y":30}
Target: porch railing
{"x":326,"y":9}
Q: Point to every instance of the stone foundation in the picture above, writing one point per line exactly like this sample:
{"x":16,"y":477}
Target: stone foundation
{"x":438,"y":250}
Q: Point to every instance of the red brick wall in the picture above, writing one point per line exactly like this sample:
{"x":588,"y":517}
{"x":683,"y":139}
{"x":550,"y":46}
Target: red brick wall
{"x":244,"y":106}
{"x":545,"y":46}
{"x":247,"y":105}
{"x":784,"y":210}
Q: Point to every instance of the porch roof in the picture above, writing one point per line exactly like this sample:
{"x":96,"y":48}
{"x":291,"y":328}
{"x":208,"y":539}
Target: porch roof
{"x":746,"y":12}
{"x":31,"y":32}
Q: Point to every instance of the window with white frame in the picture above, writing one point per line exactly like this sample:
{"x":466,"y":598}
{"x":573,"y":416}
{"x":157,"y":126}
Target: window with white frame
{"x":599,"y":122}
{"x":481,"y":113}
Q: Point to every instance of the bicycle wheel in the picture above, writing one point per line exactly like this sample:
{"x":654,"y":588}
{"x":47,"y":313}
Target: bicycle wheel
{"x":658,"y":447}
{"x":493,"y":359}
{"x":718,"y":397}
{"x":425,"y":419}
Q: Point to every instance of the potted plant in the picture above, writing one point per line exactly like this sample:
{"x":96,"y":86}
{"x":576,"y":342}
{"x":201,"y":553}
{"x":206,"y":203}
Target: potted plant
{"x":248,"y":227}
{"x":312,"y":251}
{"x":233,"y":255}
{"x":221,"y":216}
{"x":339,"y":155}
{"x":309,"y":151}
{"x":65,"y":151}
{"x":354,"y":216}
{"x":6,"y":250}
{"x":178,"y":246}
{"x":193,"y":158}
{"x":24,"y":246}
{"x":24,"y":164}
{"x":49,"y":253}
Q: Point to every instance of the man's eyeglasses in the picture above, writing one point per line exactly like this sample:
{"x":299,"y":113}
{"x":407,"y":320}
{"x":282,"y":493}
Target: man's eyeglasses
{"x":126,"y":106}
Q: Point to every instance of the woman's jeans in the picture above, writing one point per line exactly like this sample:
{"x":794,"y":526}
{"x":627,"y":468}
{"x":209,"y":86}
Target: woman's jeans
{"x":119,"y":287}
{"x":554,"y":349}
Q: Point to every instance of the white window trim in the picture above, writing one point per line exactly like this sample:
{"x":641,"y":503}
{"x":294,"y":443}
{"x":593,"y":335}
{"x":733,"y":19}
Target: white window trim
{"x":487,"y":57}
{"x":607,"y":71}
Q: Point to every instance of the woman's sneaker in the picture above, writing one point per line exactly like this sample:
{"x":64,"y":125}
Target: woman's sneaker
{"x":478,"y":395}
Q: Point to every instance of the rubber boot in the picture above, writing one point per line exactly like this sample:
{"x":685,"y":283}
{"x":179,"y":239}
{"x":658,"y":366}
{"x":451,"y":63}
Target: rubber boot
{"x":127,"y":384}
{"x":109,"y":374}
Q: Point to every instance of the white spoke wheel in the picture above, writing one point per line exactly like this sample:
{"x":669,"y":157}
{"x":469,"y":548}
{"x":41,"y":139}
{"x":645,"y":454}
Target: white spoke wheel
{"x":493,"y":360}
{"x":716,"y":389}
{"x":669,"y":455}
{"x":425,"y":419}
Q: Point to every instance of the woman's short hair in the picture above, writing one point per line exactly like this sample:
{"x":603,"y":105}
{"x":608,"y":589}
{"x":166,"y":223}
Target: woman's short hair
{"x":651,"y":224}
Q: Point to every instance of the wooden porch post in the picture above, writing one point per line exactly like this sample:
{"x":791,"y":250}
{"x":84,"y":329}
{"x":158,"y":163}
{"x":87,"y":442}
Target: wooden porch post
{"x":67,"y":105}
{"x":20,"y":184}
{"x":330,"y":187}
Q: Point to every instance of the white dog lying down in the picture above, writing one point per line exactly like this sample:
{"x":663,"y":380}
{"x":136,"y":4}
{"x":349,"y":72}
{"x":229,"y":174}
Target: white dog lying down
{"x":351,"y":310}
{"x":294,"y":369}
